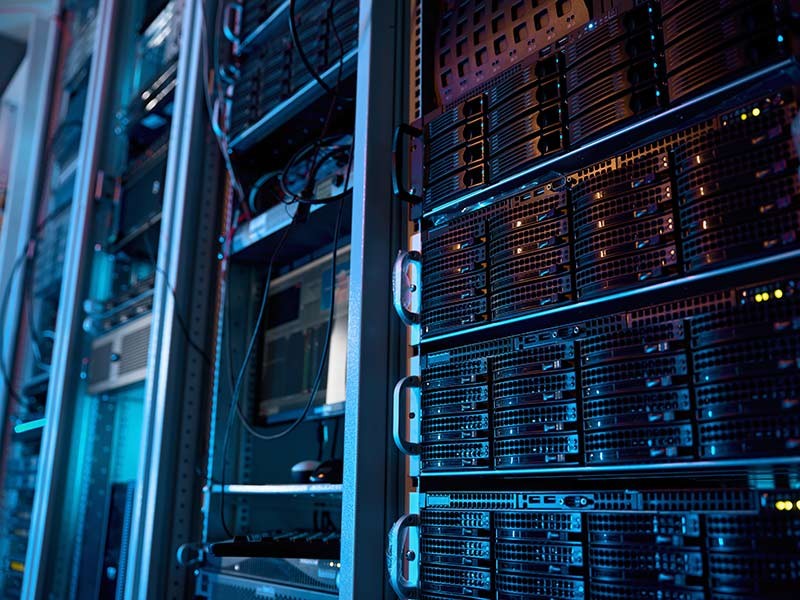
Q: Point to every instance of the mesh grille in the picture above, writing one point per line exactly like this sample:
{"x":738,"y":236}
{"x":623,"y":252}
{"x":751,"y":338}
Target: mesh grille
{"x":754,"y":435}
{"x":665,"y":442}
{"x":537,"y":450}
{"x":634,"y":204}
{"x":538,"y":586}
{"x":627,"y":270}
{"x":531,"y":296}
{"x":510,"y":423}
{"x":624,"y":239}
{"x":133,"y":352}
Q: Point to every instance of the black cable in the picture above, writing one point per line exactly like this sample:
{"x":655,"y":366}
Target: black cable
{"x":178,"y":316}
{"x":6,"y":294}
{"x":3,"y":308}
{"x":235,"y":406}
{"x":333,"y":91}
{"x":306,"y":196}
{"x":182,"y":323}
{"x":240,"y":377}
{"x":323,"y":360}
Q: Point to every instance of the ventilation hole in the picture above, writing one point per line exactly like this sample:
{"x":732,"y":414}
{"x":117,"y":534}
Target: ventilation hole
{"x":520,"y":33}
{"x":541,"y":20}
{"x":479,"y":35}
{"x":498,"y":23}
{"x":500,"y":45}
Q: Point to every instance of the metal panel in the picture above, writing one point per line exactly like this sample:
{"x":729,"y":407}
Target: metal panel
{"x":177,"y":375}
{"x":370,"y":478}
{"x":52,"y":477}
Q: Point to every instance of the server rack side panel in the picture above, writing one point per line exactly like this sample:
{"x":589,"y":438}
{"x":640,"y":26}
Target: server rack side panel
{"x":369,"y":461}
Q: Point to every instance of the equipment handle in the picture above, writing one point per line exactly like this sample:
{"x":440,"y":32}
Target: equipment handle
{"x":398,"y":189}
{"x":399,"y":287}
{"x":227,"y":30}
{"x":398,"y":403}
{"x":395,"y":559}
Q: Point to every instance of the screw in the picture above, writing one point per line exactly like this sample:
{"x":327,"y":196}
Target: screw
{"x":410,"y":555}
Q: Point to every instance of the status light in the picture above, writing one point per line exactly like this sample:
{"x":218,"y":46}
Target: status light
{"x":756,"y":111}
{"x":743,"y":117}
{"x":779,"y":293}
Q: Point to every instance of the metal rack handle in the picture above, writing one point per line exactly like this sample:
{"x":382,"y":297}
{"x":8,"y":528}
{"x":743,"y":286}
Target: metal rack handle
{"x":227,"y":31}
{"x":398,"y":189}
{"x":399,"y":287}
{"x":405,"y":446}
{"x":395,"y":560}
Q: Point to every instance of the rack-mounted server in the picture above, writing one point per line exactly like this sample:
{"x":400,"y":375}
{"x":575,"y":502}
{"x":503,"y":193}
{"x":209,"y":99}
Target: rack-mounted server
{"x":267,"y":69}
{"x":575,"y":80}
{"x":703,"y":378}
{"x":720,"y":191}
{"x":723,"y":543}
{"x":605,"y":249}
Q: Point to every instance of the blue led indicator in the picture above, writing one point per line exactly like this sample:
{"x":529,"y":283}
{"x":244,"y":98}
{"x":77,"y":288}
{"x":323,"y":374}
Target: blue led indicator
{"x":780,"y":39}
{"x":30,"y":425}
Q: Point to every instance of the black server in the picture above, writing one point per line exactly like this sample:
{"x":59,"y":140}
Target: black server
{"x":605,"y":301}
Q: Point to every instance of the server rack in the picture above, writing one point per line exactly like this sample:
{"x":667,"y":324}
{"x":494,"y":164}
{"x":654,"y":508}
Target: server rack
{"x":599,"y":293}
{"x":108,"y":411}
{"x":264,"y":114}
{"x":108,"y":516}
{"x":42,"y":179}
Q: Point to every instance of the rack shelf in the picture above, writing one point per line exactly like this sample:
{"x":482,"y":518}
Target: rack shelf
{"x":292,"y":106}
{"x":293,"y":489}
